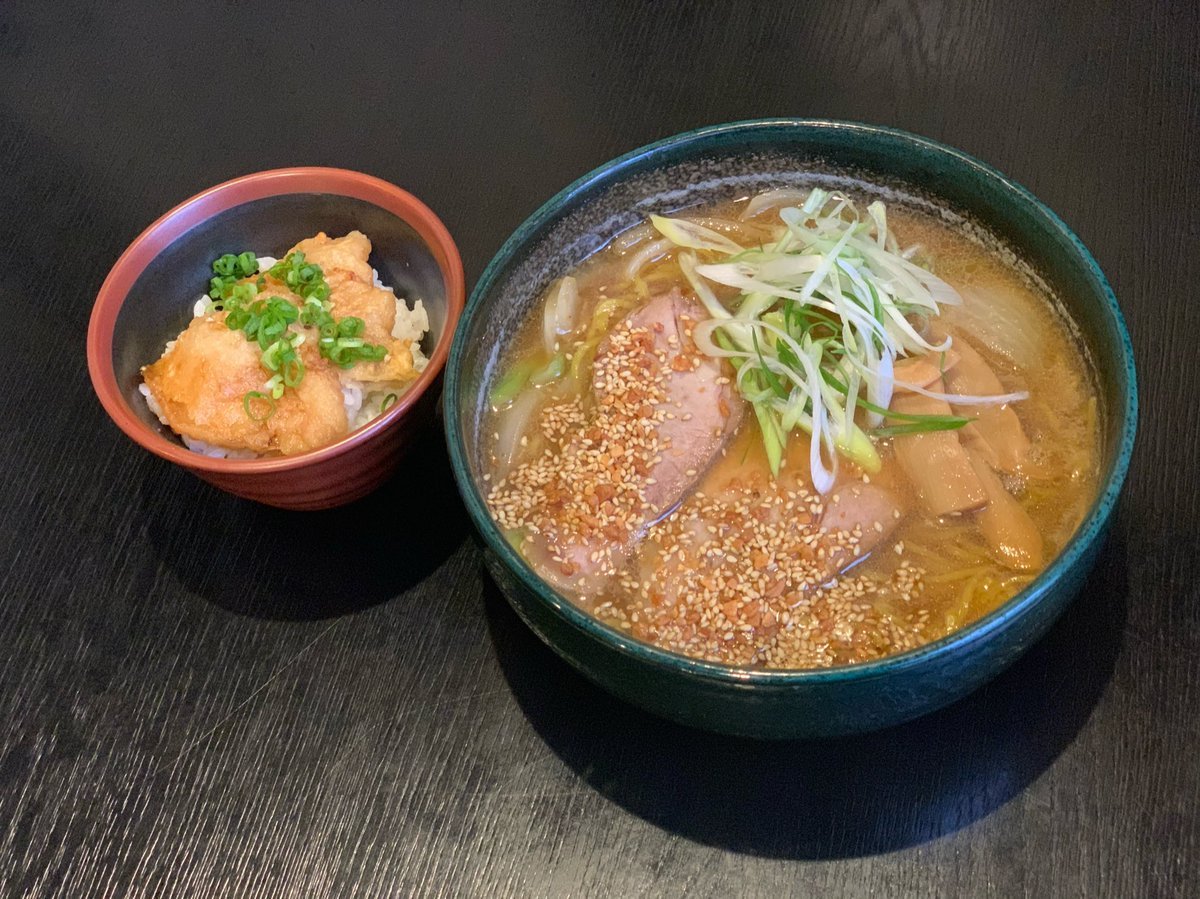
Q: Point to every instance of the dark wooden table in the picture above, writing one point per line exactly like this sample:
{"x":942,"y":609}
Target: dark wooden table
{"x":193,"y":707}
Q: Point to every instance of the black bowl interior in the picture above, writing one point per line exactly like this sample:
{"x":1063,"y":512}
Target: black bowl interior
{"x":159,"y":305}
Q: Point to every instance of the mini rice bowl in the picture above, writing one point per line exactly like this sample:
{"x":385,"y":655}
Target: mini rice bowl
{"x":138,"y":309}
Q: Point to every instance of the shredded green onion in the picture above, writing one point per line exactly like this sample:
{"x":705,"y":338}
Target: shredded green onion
{"x":822,"y":315}
{"x":932,"y":423}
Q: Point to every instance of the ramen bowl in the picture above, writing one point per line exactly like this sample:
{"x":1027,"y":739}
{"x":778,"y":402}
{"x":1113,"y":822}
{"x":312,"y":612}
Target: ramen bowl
{"x":720,"y":163}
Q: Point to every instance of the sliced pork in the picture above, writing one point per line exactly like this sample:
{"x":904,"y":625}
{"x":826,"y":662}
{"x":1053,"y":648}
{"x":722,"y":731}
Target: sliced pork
{"x":662,"y":413}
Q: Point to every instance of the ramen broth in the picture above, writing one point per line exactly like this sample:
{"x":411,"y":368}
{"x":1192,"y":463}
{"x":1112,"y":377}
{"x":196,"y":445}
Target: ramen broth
{"x":930,"y":575}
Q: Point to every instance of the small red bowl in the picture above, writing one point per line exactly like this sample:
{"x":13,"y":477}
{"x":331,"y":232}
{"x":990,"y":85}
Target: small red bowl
{"x":147,"y":299}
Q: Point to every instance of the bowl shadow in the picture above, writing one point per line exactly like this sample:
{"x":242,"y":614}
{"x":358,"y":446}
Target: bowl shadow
{"x":307,"y":566}
{"x":839,"y":798}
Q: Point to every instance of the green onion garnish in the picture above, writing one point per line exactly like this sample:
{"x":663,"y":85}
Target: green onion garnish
{"x":350,"y":326}
{"x":914,"y":423}
{"x":293,"y":372}
{"x":822,"y":316}
{"x":262,"y":397}
{"x":230,"y":269}
{"x":931,"y":423}
{"x":388,"y":402}
{"x":268,"y":321}
{"x":302,"y":278}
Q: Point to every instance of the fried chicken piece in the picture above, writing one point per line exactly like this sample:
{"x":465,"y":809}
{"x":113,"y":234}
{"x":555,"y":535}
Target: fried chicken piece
{"x":352,"y":292}
{"x":377,"y":308}
{"x":374,"y":305}
{"x":199,"y":386}
{"x":340,"y":258}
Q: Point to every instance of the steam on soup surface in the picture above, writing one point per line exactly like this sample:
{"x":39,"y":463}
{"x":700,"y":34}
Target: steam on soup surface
{"x":793,"y":431}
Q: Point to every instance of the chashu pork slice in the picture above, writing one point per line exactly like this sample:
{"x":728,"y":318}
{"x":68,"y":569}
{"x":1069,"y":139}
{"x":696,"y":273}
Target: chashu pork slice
{"x":752,"y":541}
{"x":663,"y":412}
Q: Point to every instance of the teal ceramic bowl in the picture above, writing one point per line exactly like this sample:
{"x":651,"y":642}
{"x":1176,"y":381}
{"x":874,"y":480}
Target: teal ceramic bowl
{"x":732,"y":160}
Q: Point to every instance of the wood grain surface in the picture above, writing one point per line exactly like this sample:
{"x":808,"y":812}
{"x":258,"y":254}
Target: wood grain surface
{"x":191,"y":707}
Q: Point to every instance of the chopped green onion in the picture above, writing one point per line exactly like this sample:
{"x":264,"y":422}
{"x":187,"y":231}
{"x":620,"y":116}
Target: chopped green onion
{"x":372,"y":352}
{"x":526,"y":371}
{"x":350,"y":326}
{"x":268,"y":321}
{"x":228,"y":271}
{"x":388,"y":402}
{"x":270,"y":358}
{"x":306,"y":280}
{"x":772,"y":438}
{"x":293,"y":372}
{"x":256,"y":395}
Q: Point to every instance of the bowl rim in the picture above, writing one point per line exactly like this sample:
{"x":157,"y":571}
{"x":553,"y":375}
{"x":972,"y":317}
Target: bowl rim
{"x":1088,"y":531}
{"x":176,"y":222}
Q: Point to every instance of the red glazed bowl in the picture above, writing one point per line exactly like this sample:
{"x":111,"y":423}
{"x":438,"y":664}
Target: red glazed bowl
{"x":147,"y":299}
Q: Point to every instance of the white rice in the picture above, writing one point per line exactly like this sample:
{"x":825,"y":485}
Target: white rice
{"x":363,"y":401}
